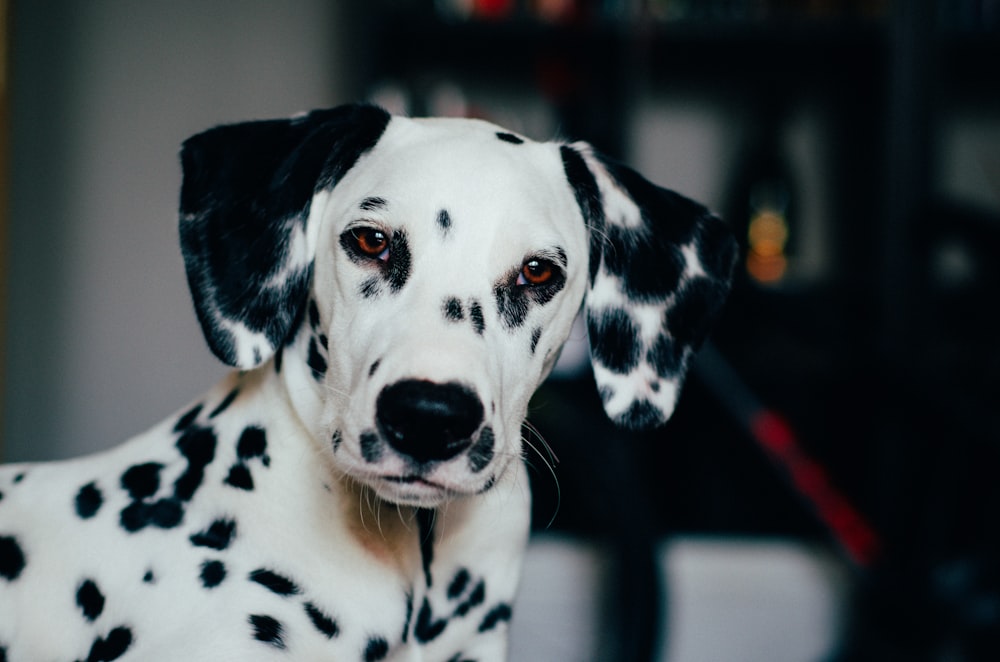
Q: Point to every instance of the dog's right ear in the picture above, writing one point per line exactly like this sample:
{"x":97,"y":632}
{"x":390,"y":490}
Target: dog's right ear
{"x":245,"y":200}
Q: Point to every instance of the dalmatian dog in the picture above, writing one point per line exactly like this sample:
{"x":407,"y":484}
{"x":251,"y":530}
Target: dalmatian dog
{"x":391,"y":291}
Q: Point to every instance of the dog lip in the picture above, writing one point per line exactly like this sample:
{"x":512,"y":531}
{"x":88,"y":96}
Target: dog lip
{"x":410,"y":479}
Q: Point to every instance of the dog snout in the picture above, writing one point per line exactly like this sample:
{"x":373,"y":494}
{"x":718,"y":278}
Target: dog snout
{"x":428,"y":421}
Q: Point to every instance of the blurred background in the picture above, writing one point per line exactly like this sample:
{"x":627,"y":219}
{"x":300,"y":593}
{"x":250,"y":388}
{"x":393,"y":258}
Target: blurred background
{"x":827,"y":489}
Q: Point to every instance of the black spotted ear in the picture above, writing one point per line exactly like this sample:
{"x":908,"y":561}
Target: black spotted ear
{"x":660,"y":270}
{"x":246,"y":195}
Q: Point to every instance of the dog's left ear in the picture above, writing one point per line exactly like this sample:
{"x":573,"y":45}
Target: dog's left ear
{"x":245,"y":200}
{"x":660,"y":270}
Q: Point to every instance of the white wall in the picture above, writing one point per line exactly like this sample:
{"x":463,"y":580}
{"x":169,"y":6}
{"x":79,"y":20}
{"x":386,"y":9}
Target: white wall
{"x":102,"y":339}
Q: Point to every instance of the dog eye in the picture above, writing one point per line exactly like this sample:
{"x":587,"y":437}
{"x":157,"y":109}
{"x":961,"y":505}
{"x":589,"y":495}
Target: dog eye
{"x":536,"y":272}
{"x":371,"y":242}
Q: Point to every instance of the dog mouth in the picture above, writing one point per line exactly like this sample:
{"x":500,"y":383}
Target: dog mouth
{"x":413,"y":489}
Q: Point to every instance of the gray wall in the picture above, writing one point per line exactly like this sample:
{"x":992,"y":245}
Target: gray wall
{"x":102,"y":341}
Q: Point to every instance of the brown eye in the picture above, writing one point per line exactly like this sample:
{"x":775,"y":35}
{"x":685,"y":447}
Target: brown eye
{"x":536,"y":272}
{"x":371,"y":242}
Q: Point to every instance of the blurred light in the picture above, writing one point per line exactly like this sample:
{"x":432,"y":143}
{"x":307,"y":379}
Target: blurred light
{"x":767,"y":236}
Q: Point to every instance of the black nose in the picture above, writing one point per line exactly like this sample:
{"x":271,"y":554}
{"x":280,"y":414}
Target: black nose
{"x":428,"y":421}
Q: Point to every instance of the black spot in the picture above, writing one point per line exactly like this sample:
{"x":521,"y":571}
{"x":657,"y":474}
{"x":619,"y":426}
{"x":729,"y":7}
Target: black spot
{"x":409,"y":616}
{"x":458,"y":584}
{"x":326,"y":625}
{"x":536,"y":335}
{"x":588,"y":197}
{"x":274,"y":582}
{"x":239,"y":477}
{"x":512,"y":304}
{"x":694,"y":311}
{"x":185,"y":421}
{"x":666,"y":356}
{"x":371,"y":447}
{"x":252,"y":443}
{"x":164,"y":514}
{"x":336,"y":440}
{"x":317,"y":362}
{"x":217,"y":536}
{"x":197,"y":445}
{"x":444,"y":220}
{"x":88,"y":501}
{"x":476,"y":315}
{"x":499,"y":614}
{"x":90,"y":600}
{"x":509,"y":138}
{"x":614,"y":339}
{"x":482,"y":451}
{"x":314,"y":321}
{"x":149,"y":577}
{"x":228,"y":400}
{"x":476,"y":598}
{"x":268,"y":630}
{"x":11,"y":558}
{"x":376,"y":649}
{"x":141,"y":481}
{"x":428,"y":628}
{"x":373,"y":204}
{"x":370,"y":287}
{"x":212,"y":573}
{"x":398,"y":267}
{"x":374,"y":367}
{"x":278,"y":355}
{"x":453,"y":311}
{"x":641,"y":415}
{"x":425,"y":529}
{"x":111,"y":647}
{"x":489,"y":484}
{"x":19,"y":477}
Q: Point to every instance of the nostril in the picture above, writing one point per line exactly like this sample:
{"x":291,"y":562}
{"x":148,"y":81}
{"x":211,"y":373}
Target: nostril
{"x":428,"y":421}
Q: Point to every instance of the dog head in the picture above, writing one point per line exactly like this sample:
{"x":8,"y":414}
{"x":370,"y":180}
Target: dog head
{"x":414,"y":280}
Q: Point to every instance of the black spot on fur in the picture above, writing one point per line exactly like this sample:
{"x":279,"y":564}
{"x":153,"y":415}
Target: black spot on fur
{"x":409,"y":616}
{"x":641,"y":415}
{"x":239,"y":477}
{"x":536,"y":335}
{"x":510,"y":138}
{"x":666,"y":356}
{"x":370,"y":287}
{"x":512,"y":305}
{"x":149,"y":577}
{"x":314,"y":320}
{"x":398,"y":268}
{"x":376,"y":649}
{"x":453,"y":311}
{"x":224,"y":405}
{"x":588,"y":197}
{"x":326,"y":625}
{"x":482,"y":451}
{"x":374,"y":367}
{"x":317,"y":362}
{"x":185,"y":421}
{"x":444,"y":220}
{"x":142,"y":480}
{"x":336,"y":440}
{"x":499,"y":614}
{"x":425,"y":529}
{"x":476,"y":315}
{"x":197,"y":445}
{"x":614,"y":339}
{"x":88,"y":501}
{"x":371,"y":447}
{"x":274,"y":582}
{"x":428,"y":628}
{"x":373,"y":204}
{"x":694,"y":311}
{"x":89,"y":600}
{"x":112,"y":647}
{"x":164,"y":514}
{"x":458,"y":584}
{"x":252,"y":443}
{"x":218,"y":535}
{"x":19,"y":477}
{"x":213,"y":573}
{"x":476,"y":598}
{"x":12,"y":560}
{"x":268,"y":630}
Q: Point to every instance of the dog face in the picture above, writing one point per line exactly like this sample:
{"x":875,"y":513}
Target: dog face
{"x":424,"y":275}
